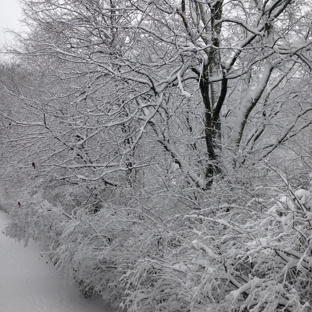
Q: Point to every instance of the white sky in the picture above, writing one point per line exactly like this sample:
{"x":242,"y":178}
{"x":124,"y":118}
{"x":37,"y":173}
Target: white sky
{"x":10,"y":13}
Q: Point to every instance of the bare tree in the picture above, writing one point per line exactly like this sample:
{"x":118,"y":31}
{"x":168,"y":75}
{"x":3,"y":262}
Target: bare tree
{"x":230,"y":56}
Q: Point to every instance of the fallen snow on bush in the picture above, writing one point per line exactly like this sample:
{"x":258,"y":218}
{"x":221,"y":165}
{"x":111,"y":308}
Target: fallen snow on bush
{"x":29,"y":283}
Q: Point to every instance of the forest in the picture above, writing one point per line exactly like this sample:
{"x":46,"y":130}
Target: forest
{"x":160,"y":151}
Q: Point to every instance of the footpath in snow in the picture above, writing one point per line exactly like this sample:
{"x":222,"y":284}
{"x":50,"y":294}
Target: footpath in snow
{"x":29,"y":284}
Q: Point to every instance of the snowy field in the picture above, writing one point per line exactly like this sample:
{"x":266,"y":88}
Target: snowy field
{"x":29,"y":284}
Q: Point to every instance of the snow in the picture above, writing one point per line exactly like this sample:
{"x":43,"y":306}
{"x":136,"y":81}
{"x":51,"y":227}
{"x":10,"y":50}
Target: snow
{"x":302,"y":196}
{"x":198,"y":245}
{"x":29,"y":283}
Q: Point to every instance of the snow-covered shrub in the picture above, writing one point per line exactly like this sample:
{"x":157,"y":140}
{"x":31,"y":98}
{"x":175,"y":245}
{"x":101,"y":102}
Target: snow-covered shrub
{"x":222,"y":250}
{"x":230,"y":257}
{"x":38,"y":220}
{"x":299,"y":200}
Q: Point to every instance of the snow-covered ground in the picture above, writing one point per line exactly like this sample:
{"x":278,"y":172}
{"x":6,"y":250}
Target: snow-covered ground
{"x":29,"y":284}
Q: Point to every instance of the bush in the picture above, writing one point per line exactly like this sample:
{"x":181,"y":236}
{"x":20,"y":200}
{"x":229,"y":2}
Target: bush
{"x":236,"y":253}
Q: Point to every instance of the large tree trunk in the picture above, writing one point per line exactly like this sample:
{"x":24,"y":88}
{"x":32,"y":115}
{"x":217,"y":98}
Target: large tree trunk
{"x":212,"y":127}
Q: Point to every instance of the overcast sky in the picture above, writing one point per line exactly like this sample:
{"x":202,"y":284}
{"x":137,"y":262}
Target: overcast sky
{"x":10,"y":13}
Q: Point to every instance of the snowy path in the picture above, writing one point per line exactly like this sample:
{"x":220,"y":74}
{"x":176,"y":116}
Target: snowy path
{"x":29,"y":284}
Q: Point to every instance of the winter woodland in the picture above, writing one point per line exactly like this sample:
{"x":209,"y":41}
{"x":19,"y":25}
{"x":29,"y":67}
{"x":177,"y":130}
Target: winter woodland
{"x":160,"y":150}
